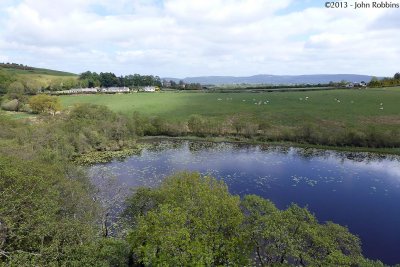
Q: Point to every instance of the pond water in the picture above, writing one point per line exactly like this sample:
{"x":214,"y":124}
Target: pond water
{"x":359,"y":190}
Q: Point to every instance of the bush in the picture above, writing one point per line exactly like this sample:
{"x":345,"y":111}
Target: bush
{"x":25,"y":108}
{"x":45,"y":103}
{"x":10,"y":105}
{"x":196,"y":124}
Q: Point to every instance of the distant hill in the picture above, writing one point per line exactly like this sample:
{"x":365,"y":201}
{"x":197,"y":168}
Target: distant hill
{"x":276,"y":79}
{"x":23,"y":69}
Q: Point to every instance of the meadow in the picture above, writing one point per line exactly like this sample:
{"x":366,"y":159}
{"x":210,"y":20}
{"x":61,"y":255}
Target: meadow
{"x":340,"y":107}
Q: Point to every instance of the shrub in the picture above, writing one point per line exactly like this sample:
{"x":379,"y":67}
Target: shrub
{"x":10,"y":105}
{"x":196,"y":124}
{"x":25,"y":108}
{"x":45,"y":103}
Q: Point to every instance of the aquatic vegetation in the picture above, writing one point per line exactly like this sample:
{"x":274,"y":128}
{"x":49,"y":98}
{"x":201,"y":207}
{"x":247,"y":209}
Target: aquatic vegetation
{"x":105,"y":156}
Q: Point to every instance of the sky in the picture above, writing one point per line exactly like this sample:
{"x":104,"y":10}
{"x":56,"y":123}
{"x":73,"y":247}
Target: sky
{"x":182,"y":38}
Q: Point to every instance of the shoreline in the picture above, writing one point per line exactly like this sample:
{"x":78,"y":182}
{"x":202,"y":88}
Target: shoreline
{"x":378,"y":151}
{"x":99,"y":157}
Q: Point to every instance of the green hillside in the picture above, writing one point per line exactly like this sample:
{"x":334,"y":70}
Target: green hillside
{"x":21,"y":79}
{"x":14,"y":68}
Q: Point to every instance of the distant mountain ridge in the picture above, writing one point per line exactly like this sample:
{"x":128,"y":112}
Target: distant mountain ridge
{"x":276,"y":79}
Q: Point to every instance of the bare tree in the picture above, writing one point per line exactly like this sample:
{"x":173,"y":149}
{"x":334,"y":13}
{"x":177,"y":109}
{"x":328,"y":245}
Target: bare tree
{"x":111,"y":195}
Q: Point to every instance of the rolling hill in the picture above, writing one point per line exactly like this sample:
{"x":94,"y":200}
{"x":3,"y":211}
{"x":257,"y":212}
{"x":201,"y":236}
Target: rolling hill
{"x":22,"y":69}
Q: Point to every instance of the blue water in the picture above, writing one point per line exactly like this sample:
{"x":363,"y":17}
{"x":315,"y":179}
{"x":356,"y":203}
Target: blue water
{"x":358,"y":190}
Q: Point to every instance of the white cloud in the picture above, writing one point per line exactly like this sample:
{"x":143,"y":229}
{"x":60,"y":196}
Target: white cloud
{"x":201,"y":37}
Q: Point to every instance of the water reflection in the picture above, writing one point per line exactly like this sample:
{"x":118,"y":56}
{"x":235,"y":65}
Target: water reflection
{"x":360,"y":190}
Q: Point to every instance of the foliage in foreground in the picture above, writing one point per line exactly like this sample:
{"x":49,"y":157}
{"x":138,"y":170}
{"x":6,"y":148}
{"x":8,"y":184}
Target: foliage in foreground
{"x":48,"y":219}
{"x":49,"y":215}
{"x":43,"y":216}
{"x":192,"y":220}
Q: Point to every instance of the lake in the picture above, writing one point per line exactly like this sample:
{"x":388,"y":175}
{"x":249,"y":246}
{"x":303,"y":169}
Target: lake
{"x":359,"y":190}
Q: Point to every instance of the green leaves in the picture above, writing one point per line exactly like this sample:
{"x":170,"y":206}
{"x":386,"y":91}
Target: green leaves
{"x":43,"y":215}
{"x":294,"y":236}
{"x":45,"y":103}
{"x":195,"y":222}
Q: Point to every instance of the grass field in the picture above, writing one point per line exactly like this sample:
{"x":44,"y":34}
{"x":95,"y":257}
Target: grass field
{"x":38,"y":71}
{"x":333,"y":107}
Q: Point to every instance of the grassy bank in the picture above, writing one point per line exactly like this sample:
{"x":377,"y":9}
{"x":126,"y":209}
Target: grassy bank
{"x":232,"y":139}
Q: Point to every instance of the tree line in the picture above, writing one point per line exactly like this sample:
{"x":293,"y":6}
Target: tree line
{"x":9,"y":65}
{"x":385,"y":82}
{"x":108,"y":79}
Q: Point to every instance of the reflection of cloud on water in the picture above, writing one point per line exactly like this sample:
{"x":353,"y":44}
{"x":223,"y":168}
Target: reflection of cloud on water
{"x":340,"y":161}
{"x":247,"y":165}
{"x":391,"y":168}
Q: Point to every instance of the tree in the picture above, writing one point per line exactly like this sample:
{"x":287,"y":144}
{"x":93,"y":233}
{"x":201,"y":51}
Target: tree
{"x":43,"y":215}
{"x":5,"y":80}
{"x":45,"y":103}
{"x":397,"y":76}
{"x":374,"y":82}
{"x":294,"y":235}
{"x":16,"y":88}
{"x":32,"y":86}
{"x":108,"y":79}
{"x":89,"y":79}
{"x":195,"y":222}
{"x":110,"y":195}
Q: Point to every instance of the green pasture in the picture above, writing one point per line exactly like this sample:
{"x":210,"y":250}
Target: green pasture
{"x":38,"y":71}
{"x":341,"y":107}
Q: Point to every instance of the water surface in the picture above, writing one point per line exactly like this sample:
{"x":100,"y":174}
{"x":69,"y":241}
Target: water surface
{"x":359,"y":190}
